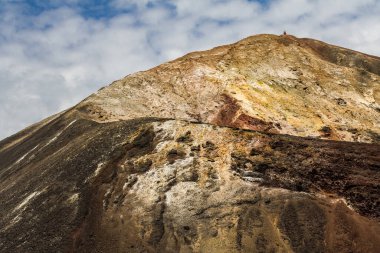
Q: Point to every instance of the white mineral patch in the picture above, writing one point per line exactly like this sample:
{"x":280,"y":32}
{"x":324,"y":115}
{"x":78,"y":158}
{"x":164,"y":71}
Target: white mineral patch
{"x":98,"y":169}
{"x":253,"y":179}
{"x":161,"y":145}
{"x":26,"y":200}
{"x":20,"y":208}
{"x":22,"y":158}
{"x":181,"y":163}
{"x":73,"y":198}
{"x":58,"y":134}
{"x":344,"y":201}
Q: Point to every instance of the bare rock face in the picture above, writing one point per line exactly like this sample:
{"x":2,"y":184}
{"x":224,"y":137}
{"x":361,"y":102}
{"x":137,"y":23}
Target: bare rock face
{"x":168,"y":160}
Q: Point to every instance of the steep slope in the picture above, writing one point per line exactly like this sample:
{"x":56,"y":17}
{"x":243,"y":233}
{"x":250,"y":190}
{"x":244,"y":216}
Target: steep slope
{"x":167,"y":160}
{"x":279,"y":84}
{"x":173,"y":186}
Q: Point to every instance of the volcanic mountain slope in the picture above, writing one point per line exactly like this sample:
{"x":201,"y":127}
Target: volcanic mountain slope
{"x":279,"y":84}
{"x":167,"y":160}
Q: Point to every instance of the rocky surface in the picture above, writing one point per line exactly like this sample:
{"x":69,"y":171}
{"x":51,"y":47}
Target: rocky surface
{"x":170,"y":159}
{"x":279,"y":84}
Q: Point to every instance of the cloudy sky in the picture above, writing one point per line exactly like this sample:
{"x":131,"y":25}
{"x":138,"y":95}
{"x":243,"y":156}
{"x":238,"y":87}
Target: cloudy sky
{"x":54,"y":53}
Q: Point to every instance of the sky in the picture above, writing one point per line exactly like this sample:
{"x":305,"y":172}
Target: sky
{"x":54,"y":53}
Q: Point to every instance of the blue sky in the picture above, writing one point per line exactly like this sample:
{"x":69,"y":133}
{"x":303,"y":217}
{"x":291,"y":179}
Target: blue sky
{"x":54,"y":53}
{"x":96,"y":9}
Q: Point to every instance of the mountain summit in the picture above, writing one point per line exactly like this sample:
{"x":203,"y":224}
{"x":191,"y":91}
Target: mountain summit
{"x":270,"y":144}
{"x":279,"y":84}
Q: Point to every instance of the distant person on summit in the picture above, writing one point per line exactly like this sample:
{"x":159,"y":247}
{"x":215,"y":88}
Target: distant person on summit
{"x":284,"y":33}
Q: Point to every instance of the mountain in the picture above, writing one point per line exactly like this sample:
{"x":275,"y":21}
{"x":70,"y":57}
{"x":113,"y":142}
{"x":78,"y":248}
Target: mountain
{"x":277,"y":84}
{"x":270,"y":144}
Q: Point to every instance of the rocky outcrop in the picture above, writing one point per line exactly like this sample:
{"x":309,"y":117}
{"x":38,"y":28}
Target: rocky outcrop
{"x":196,"y":156}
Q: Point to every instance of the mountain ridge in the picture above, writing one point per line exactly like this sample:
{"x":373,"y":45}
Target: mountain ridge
{"x":291,"y":102}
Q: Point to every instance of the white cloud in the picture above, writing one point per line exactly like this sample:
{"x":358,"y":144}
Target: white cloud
{"x":53,"y":59}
